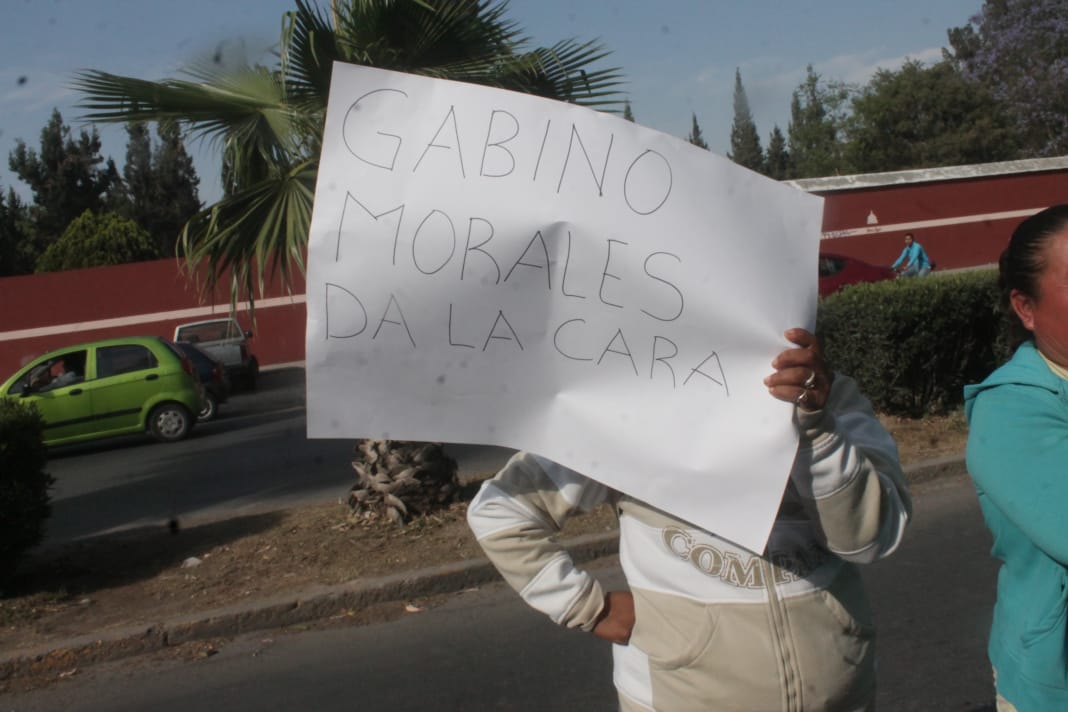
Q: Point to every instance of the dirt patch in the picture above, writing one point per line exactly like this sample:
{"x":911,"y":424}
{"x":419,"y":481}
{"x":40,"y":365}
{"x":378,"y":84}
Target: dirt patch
{"x":146,"y":576}
{"x":931,"y":437}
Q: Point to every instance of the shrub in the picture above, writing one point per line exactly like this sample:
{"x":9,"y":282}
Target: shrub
{"x":93,"y":240}
{"x":24,"y":484}
{"x":913,"y":344}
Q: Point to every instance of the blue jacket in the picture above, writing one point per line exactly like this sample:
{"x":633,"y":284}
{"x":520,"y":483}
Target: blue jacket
{"x":1018,"y":457}
{"x":915,"y":254}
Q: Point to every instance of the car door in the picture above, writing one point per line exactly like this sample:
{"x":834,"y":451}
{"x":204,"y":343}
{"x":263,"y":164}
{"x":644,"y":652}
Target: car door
{"x":56,"y":385}
{"x":127,"y":375}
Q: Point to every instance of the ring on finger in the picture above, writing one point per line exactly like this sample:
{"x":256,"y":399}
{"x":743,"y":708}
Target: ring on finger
{"x":810,"y":382}
{"x":802,"y":399}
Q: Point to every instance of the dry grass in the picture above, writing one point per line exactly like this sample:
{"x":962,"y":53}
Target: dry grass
{"x":928,"y":438}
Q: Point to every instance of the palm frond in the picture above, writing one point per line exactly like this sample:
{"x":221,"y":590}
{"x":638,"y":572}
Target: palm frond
{"x":308,"y":49}
{"x":247,"y":105}
{"x":416,"y":37}
{"x":257,"y":232}
{"x":268,"y":122}
{"x":564,"y":67}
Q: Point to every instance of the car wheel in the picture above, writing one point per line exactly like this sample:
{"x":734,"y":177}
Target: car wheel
{"x":252,"y":374}
{"x":209,"y":408}
{"x":169,"y":422}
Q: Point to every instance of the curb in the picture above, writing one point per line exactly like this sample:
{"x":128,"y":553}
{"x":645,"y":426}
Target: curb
{"x":293,"y":609}
{"x":935,"y":468}
{"x":323,"y":602}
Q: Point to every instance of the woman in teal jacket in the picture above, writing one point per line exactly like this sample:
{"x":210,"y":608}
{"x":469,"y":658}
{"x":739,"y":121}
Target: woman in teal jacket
{"x":1018,"y":458}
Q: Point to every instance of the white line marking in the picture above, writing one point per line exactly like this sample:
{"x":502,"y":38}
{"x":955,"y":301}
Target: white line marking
{"x":938,"y":222}
{"x":139,"y":319}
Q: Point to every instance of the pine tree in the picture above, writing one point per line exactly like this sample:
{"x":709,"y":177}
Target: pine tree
{"x":137,"y":173}
{"x":176,"y":188}
{"x":65,"y":177}
{"x":627,"y":113}
{"x":745,"y":141}
{"x":115,"y":197}
{"x":817,"y":114}
{"x":695,"y":136}
{"x":17,"y":250}
{"x":161,"y":183}
{"x":777,"y":161}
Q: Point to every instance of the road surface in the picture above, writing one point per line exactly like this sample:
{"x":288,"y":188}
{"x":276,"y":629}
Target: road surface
{"x":484,"y":650}
{"x":255,"y":458}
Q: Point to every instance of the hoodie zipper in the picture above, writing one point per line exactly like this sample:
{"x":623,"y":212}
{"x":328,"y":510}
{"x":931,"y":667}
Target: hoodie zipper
{"x":782,"y":643}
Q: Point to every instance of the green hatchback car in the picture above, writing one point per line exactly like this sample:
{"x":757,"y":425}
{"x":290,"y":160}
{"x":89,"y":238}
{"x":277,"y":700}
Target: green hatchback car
{"x":110,"y":387}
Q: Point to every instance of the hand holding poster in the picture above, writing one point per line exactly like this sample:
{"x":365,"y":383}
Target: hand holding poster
{"x":492,"y":267}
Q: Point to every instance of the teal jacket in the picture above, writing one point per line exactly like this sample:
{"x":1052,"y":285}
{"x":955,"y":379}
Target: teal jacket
{"x":1018,"y":458}
{"x":915,"y":255}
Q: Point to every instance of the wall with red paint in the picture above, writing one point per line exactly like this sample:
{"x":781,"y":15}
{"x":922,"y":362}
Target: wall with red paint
{"x":958,"y":214}
{"x":961,"y":211}
{"x":48,"y":311}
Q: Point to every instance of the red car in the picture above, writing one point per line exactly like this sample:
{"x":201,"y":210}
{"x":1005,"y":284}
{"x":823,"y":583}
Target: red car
{"x":837,"y":271}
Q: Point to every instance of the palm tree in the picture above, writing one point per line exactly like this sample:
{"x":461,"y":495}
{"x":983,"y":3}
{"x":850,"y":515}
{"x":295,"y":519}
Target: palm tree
{"x":268,"y":124}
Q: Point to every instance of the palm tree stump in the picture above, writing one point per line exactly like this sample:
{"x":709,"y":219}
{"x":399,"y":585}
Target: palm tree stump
{"x":397,"y":481}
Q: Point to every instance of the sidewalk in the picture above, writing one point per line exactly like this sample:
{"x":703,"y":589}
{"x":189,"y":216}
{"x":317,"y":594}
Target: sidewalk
{"x":319,"y":603}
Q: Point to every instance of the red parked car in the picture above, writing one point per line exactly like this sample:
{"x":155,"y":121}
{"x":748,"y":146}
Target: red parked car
{"x":837,"y":271}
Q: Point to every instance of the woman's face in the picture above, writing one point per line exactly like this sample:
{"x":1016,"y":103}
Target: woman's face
{"x":1046,"y":314}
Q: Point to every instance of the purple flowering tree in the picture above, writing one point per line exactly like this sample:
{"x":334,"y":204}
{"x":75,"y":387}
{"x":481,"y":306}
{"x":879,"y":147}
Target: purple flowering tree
{"x":1019,"y":50}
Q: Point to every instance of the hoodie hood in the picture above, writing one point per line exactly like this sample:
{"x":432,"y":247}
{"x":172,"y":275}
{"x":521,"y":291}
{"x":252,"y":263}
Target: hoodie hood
{"x":1025,"y":368}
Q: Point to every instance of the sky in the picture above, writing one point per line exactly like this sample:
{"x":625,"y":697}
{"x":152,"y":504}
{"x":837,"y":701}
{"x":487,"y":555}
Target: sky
{"x":678,"y":57}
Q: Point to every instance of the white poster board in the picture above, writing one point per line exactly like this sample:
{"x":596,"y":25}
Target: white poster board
{"x":491,"y":267}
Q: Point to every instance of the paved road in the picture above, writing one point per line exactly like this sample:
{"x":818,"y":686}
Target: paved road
{"x":255,"y":458}
{"x":933,"y":599}
{"x":484,"y":650}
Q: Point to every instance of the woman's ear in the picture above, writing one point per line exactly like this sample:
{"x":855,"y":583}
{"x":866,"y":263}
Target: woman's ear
{"x":1023,"y":305}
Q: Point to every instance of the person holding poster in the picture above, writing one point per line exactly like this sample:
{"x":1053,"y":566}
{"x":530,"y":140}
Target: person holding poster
{"x":708,"y":624}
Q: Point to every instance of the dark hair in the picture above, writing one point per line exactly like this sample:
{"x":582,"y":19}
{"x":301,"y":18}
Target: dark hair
{"x":1023,"y":261}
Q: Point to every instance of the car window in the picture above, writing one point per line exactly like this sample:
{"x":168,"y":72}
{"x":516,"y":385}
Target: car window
{"x":53,"y":372}
{"x":113,"y":360}
{"x":830,"y":266}
{"x":213,"y":331}
{"x":30,"y":376}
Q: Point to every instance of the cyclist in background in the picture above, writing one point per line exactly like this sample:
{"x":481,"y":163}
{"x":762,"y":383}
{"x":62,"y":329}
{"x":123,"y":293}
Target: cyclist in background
{"x":913,"y":261}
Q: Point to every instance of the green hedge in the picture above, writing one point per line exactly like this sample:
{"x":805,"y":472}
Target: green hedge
{"x":24,"y":484}
{"x":913,"y":344}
